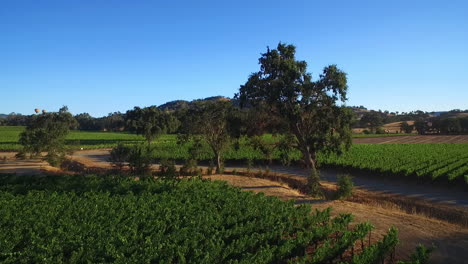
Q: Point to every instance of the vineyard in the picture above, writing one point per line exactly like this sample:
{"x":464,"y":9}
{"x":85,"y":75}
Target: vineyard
{"x":446,"y":162}
{"x":70,"y":219}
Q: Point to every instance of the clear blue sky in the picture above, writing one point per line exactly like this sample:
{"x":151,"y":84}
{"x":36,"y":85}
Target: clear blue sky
{"x":105,"y":56}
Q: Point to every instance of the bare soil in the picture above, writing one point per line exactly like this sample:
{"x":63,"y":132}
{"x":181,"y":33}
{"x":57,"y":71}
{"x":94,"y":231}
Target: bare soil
{"x":412,"y":139}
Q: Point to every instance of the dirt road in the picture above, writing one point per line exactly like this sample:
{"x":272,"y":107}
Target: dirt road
{"x":412,"y":139}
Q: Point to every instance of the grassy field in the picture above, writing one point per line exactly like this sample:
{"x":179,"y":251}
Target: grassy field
{"x":9,"y":136}
{"x":69,"y":219}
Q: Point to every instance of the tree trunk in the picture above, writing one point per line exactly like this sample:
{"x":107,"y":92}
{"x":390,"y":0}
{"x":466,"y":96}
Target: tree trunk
{"x":309,"y":160}
{"x":218,"y":163}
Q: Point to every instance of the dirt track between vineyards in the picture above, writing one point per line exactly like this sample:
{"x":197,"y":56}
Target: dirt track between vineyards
{"x":428,"y":139}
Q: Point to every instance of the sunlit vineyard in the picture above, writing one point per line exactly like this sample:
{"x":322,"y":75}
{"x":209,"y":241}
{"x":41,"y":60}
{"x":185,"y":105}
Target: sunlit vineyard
{"x":86,"y":219}
{"x":426,"y":161}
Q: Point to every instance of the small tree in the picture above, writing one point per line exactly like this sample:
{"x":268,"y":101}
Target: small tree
{"x":421,"y":126}
{"x":119,"y":156}
{"x":209,"y":120}
{"x":139,"y":159}
{"x":259,"y":143}
{"x":345,"y":187}
{"x":407,"y":128}
{"x":46,"y":133}
{"x":371,"y":120}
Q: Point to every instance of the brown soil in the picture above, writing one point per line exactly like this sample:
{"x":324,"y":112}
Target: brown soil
{"x":451,"y":240}
{"x":412,"y":139}
{"x":10,"y":165}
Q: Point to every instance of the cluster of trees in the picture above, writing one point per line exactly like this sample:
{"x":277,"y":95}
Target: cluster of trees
{"x":112,"y":122}
{"x":46,"y":133}
{"x":15,"y":119}
{"x":441,"y":125}
{"x":280,"y":98}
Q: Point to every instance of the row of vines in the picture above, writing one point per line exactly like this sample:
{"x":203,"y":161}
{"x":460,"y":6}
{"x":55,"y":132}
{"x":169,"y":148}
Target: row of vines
{"x":78,"y":219}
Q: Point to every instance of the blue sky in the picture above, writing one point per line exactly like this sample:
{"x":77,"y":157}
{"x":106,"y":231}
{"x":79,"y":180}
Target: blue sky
{"x":105,"y":56}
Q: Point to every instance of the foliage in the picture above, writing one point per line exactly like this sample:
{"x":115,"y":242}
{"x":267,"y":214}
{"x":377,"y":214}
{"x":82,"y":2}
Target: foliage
{"x":266,"y":148}
{"x":140,"y":158}
{"x":420,"y":256}
{"x":313,"y":184}
{"x":371,"y":120}
{"x":150,"y":122}
{"x":168,"y":170}
{"x":407,"y":128}
{"x":448,"y":162}
{"x":46,"y":133}
{"x":209,"y":120}
{"x":86,"y":219}
{"x":119,"y":155}
{"x":309,"y":109}
{"x":345,"y":187}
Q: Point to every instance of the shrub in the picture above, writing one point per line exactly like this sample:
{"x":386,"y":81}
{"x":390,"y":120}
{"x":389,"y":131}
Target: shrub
{"x":380,"y":130}
{"x":168,"y":168}
{"x":420,"y":256}
{"x":139,"y":159}
{"x":313,"y":184}
{"x":119,"y":155}
{"x":345,"y":187}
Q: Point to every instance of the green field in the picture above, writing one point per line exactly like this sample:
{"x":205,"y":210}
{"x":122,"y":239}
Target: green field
{"x":425,"y":161}
{"x":86,"y":219}
{"x":9,"y":136}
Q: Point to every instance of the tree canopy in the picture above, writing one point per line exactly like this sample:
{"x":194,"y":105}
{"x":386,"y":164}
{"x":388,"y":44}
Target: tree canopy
{"x":310,"y":109}
{"x":210,"y":120}
{"x":150,"y":122}
{"x":46,"y":133}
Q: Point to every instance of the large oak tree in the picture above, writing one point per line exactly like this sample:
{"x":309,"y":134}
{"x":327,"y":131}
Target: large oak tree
{"x":310,"y":108}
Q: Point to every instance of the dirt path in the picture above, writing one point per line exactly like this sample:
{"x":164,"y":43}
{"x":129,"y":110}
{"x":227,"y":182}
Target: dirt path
{"x":9,"y":164}
{"x":454,"y":196}
{"x":412,"y":139}
{"x":451,"y":240}
{"x":440,"y":194}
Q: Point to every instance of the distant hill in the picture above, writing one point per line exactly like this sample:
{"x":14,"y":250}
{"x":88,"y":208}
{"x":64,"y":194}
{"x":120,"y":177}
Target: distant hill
{"x":179,"y":104}
{"x":174,"y":105}
{"x":3,"y":116}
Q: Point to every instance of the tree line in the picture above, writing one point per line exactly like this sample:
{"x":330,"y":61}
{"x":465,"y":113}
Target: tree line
{"x":280,"y":98}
